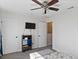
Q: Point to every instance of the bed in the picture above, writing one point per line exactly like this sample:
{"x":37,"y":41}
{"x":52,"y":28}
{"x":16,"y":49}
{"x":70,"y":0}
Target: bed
{"x":49,"y":54}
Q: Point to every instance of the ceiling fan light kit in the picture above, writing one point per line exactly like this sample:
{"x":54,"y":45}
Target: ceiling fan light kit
{"x":46,"y":5}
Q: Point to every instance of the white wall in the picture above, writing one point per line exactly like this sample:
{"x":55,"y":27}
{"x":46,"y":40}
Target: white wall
{"x":14,"y":25}
{"x":0,"y":20}
{"x":9,"y":33}
{"x":65,"y":32}
{"x":0,"y":23}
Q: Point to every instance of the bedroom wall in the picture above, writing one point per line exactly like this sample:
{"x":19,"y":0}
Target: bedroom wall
{"x":66,"y":32}
{"x":13,"y":27}
{"x":0,"y":20}
{"x":9,"y":33}
{"x":0,"y":23}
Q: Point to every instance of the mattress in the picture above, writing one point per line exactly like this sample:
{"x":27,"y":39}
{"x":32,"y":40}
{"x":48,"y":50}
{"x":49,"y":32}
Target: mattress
{"x":49,"y":54}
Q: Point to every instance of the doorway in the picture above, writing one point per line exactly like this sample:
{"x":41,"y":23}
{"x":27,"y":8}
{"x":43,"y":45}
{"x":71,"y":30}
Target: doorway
{"x":49,"y":34}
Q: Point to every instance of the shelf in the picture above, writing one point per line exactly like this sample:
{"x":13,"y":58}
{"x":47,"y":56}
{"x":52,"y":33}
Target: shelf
{"x":25,"y":46}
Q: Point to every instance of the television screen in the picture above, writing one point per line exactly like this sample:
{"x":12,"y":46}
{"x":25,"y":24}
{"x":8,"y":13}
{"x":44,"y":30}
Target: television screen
{"x":29,"y":25}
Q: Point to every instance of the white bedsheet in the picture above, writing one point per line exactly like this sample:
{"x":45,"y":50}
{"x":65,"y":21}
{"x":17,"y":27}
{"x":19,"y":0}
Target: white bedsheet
{"x":49,"y":54}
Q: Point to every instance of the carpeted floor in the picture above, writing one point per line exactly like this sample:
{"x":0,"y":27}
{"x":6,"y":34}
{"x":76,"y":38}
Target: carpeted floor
{"x":22,"y":55}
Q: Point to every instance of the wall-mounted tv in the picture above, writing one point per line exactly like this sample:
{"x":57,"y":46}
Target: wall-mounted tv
{"x":30,"y":25}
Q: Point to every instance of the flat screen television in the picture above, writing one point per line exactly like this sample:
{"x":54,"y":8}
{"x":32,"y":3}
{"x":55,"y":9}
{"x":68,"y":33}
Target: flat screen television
{"x":30,"y":25}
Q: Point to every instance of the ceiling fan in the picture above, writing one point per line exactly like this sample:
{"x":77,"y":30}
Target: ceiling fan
{"x":46,"y":5}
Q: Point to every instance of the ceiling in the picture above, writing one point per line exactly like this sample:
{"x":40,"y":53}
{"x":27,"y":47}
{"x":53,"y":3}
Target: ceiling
{"x":24,"y":6}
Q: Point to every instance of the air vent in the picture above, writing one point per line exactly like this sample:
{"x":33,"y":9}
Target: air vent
{"x":70,"y":7}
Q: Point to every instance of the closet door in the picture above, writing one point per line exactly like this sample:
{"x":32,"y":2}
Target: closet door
{"x":42,"y":34}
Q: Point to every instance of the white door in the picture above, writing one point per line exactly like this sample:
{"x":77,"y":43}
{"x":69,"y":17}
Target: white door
{"x":42,"y":34}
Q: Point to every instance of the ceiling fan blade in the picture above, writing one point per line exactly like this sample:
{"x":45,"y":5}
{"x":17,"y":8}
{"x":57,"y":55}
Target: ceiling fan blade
{"x":52,"y":8}
{"x":37,"y":2}
{"x":52,"y":2}
{"x":36,"y":8}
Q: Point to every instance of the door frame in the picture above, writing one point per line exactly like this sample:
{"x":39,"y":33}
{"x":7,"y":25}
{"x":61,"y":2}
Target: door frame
{"x":52,"y":33}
